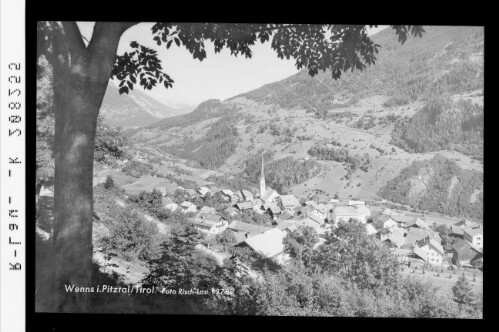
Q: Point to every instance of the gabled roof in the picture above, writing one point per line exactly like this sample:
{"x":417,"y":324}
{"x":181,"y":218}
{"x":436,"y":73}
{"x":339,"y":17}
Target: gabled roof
{"x":389,"y":212}
{"x":283,"y":225}
{"x":209,"y":216}
{"x":456,"y":230}
{"x":370,"y":229}
{"x":204,"y":223}
{"x":467,"y":223}
{"x":268,"y":194}
{"x":402,"y":218}
{"x":473,"y":231}
{"x":246,"y":194}
{"x":421,"y":253}
{"x":272,"y":207}
{"x":312,"y":204}
{"x":244,"y":205}
{"x":289,"y":201}
{"x":463,"y":245}
{"x":171,"y":206}
{"x":315,"y":217}
{"x":227,"y":192}
{"x":418,"y":223}
{"x":203,"y":191}
{"x":186,"y":204}
{"x":252,"y":229}
{"x":257,"y":202}
{"x":191,"y":192}
{"x":207,"y":209}
{"x":416,"y":234}
{"x":383,"y":217}
{"x":325,"y":208}
{"x":397,"y":238}
{"x":267,"y":244}
{"x":431,"y":242}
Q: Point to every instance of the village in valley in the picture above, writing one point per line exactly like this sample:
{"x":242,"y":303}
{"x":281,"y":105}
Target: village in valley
{"x":417,"y":243}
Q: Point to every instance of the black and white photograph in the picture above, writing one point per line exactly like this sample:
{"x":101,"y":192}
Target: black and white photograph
{"x":259,"y":169}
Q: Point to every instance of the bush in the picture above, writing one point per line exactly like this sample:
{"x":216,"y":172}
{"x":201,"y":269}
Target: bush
{"x":133,"y":237}
{"x":109,"y":183}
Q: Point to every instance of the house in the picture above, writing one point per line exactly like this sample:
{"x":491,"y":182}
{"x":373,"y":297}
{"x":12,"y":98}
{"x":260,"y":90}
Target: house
{"x":210,"y":226}
{"x":207,"y":209}
{"x":244,"y":206}
{"x":273,"y":209}
{"x":227,"y":194}
{"x":389,"y":212}
{"x":456,"y":231}
{"x":269,"y":195}
{"x":430,"y":251}
{"x":311,"y":204}
{"x":162,"y":190}
{"x":402,"y":219}
{"x":172,"y":207}
{"x":247,"y":196}
{"x":243,"y":231}
{"x":386,"y":221}
{"x":418,"y":223}
{"x":333,"y":200}
{"x":258,"y":206}
{"x":188,"y":207}
{"x":203,"y":191}
{"x":396,"y":238}
{"x":316,"y":216}
{"x":306,"y":222}
{"x":238,"y":196}
{"x":370,"y":229}
{"x":269,"y":245}
{"x":465,"y":253}
{"x":345,"y":213}
{"x":474,"y":236}
{"x":416,"y":234}
{"x":191,"y":192}
{"x":289,"y":202}
{"x":231,"y":211}
{"x":288,"y":226}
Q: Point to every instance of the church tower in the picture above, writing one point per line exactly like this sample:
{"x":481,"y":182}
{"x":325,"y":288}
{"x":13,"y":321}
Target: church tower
{"x":262,"y":181}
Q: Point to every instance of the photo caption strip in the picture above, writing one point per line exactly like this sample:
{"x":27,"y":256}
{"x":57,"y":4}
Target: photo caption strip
{"x":12,"y":166}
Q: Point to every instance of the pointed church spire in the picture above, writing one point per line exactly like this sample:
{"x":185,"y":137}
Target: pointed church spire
{"x":262,"y":181}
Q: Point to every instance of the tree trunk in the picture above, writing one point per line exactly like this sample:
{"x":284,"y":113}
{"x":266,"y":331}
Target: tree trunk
{"x":80,"y":81}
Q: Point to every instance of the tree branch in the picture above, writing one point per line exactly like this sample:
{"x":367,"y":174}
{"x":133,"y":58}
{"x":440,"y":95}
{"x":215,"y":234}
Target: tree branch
{"x":74,"y":37}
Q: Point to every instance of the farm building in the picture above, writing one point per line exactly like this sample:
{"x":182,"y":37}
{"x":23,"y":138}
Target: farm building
{"x":465,"y":253}
{"x":203,"y":191}
{"x":244,"y":206}
{"x":370,"y":229}
{"x":474,"y":236}
{"x":418,"y":223}
{"x":430,"y":251}
{"x":247,"y":196}
{"x":416,"y":234}
{"x":386,"y":220}
{"x":231,"y":211}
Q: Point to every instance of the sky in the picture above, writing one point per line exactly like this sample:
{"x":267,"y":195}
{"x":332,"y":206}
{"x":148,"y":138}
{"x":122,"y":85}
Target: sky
{"x":218,"y":76}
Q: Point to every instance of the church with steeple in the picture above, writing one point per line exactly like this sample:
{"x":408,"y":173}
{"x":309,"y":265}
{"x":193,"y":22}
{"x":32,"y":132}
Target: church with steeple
{"x":267,"y":194}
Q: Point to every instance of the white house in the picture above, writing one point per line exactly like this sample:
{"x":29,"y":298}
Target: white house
{"x":474,"y":236}
{"x":172,"y":207}
{"x":430,"y":251}
{"x":386,"y":221}
{"x":210,"y":226}
{"x":345,"y":213}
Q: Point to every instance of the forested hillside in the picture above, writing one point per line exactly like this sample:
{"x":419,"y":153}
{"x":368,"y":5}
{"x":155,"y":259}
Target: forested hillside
{"x":446,"y":60}
{"x":443,"y":124}
{"x":438,"y":185}
{"x":212,"y":149}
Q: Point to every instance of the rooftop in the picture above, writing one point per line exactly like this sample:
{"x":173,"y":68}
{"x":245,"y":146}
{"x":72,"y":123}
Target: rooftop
{"x":267,"y":244}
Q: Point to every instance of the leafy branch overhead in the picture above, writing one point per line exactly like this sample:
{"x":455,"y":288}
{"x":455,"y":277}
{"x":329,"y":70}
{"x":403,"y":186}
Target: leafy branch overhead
{"x":338,"y":48}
